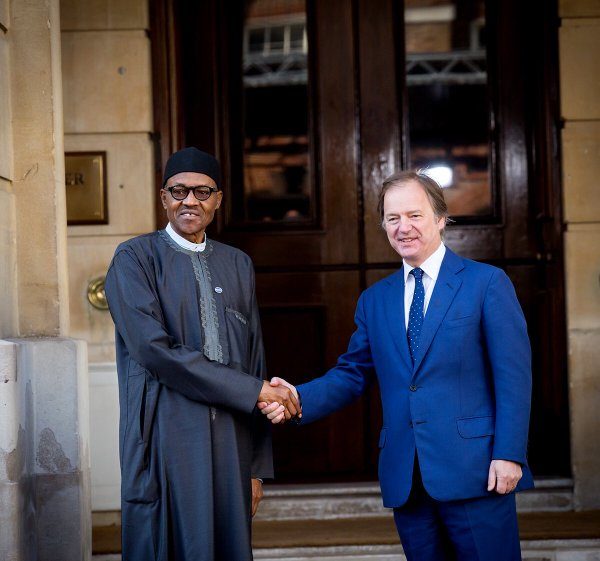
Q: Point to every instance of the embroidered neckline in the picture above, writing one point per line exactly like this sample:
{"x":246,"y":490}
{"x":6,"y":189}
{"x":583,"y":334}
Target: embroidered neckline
{"x":172,"y":243}
{"x":213,"y":349}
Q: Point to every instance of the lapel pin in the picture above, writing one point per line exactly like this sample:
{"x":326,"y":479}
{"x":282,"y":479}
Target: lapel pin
{"x":218,"y":289}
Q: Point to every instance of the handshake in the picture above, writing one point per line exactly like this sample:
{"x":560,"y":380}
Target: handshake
{"x":278,"y":400}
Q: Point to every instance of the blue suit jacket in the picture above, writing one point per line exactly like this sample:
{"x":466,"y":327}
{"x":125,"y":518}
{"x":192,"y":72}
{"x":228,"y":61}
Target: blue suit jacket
{"x":467,"y":398}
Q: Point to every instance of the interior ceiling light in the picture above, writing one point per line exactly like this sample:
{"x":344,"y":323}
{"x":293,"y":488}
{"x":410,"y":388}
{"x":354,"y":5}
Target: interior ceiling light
{"x":441,"y":174}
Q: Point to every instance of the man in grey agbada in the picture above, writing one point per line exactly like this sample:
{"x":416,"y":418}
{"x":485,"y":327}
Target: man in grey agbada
{"x":191,"y":367}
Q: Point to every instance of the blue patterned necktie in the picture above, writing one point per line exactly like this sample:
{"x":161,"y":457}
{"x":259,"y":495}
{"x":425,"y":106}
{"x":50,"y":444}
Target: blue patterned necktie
{"x":415,"y":317}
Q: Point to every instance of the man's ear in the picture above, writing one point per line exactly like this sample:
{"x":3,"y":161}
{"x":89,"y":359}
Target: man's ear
{"x":219,"y":199}
{"x":163,"y":195}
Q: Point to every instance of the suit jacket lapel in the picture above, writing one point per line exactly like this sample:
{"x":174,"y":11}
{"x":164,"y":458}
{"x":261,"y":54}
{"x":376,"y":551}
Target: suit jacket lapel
{"x":394,"y":309}
{"x":445,"y":290}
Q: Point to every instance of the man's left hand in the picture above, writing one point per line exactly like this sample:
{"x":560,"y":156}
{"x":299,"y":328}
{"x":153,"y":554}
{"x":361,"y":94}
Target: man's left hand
{"x":504,"y":476}
{"x":257,"y":494}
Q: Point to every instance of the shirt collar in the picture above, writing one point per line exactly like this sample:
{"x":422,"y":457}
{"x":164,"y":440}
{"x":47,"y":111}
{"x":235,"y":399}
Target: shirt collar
{"x":431,"y":266}
{"x":186,"y":244}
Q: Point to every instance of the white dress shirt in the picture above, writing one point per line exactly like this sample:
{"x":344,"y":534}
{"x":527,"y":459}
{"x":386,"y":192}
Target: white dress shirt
{"x":431,"y":270}
{"x":186,"y":244}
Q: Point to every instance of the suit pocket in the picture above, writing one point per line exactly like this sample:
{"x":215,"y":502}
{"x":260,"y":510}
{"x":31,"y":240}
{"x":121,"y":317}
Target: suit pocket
{"x":148,"y":407}
{"x":382,"y":437}
{"x":142,"y":398}
{"x":475,"y":427}
{"x":139,"y":483}
{"x":460,"y":322}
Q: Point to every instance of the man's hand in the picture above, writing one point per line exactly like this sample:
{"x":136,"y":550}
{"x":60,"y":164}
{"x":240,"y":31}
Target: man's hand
{"x":274,"y":411}
{"x":257,"y":494}
{"x":283,"y":395}
{"x":504,"y":476}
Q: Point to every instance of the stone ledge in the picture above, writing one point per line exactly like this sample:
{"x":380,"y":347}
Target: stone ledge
{"x":547,"y":533}
{"x":348,"y":500}
{"x":545,"y":550}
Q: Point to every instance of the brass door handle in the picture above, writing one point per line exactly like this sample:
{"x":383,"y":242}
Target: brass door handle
{"x":95,"y":293}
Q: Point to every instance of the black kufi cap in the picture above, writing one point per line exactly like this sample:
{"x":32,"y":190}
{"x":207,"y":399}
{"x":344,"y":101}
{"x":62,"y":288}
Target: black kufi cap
{"x":192,"y":159}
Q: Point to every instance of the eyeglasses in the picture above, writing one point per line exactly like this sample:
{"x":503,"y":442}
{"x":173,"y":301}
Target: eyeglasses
{"x":201,"y":192}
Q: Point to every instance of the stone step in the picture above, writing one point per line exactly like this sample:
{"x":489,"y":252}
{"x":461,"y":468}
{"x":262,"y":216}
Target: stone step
{"x":541,"y":550}
{"x":541,"y":531}
{"x":351,"y":500}
{"x":341,"y":500}
{"x":545,"y":550}
{"x":328,"y":521}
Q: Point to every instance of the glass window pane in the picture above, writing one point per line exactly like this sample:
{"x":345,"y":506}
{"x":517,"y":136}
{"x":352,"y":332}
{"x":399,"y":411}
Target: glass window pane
{"x":296,"y":37}
{"x":256,"y":40}
{"x":276,"y":39}
{"x":446,"y":75}
{"x":277,"y":178}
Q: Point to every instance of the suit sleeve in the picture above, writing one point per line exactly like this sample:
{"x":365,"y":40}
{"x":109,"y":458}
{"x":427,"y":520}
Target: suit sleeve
{"x":262,"y":453}
{"x":346,"y":381}
{"x":138,"y":318}
{"x":510,"y":358}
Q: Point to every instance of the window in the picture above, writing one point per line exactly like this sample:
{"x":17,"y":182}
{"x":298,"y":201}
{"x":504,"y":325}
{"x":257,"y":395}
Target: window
{"x":276,"y":160}
{"x":446,"y":74}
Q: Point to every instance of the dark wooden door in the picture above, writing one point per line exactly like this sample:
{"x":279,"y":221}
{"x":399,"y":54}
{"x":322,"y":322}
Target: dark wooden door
{"x":311,"y":268}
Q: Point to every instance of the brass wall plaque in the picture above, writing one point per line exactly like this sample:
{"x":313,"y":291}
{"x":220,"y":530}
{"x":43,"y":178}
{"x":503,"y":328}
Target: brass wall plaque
{"x":85,"y":178}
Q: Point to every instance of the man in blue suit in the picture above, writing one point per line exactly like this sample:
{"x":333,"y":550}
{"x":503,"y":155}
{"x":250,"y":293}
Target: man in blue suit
{"x":448,"y":342}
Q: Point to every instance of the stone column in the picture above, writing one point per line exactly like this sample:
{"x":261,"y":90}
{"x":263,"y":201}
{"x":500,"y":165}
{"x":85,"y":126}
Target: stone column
{"x":12,"y":450}
{"x":44,"y":460}
{"x":39,"y":176}
{"x":580,"y":109}
{"x":45,"y":507}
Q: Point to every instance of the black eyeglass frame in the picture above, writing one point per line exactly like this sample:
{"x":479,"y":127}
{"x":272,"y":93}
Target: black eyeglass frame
{"x":193,"y":189}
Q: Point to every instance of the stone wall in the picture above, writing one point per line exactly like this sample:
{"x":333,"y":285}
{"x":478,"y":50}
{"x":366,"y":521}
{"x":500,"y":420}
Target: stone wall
{"x":32,"y":225}
{"x":38,"y":167}
{"x":580,"y":108}
{"x":8,"y":226}
{"x":107,"y":94}
{"x":44,"y":460}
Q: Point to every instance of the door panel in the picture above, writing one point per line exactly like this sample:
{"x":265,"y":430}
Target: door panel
{"x":380,"y":117}
{"x":310,"y":273}
{"x":511,"y":67}
{"x":307,"y":319}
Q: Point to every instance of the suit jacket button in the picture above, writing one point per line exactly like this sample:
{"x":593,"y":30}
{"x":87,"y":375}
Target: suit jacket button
{"x":413,"y":388}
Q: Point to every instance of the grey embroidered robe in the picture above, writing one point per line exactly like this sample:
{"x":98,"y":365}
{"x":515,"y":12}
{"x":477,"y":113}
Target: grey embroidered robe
{"x":190,"y":363}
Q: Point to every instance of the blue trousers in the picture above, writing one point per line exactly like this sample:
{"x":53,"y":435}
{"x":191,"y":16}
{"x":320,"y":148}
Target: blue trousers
{"x":481,"y":529}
